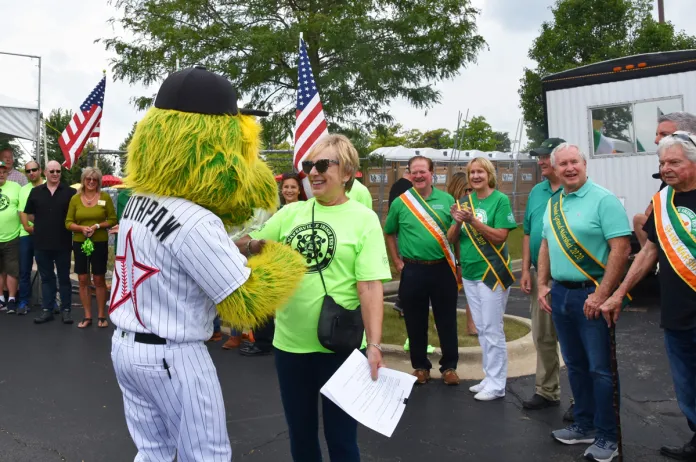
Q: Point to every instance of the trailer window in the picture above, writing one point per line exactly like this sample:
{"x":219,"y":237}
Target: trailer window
{"x":612,"y":130}
{"x":628,"y":128}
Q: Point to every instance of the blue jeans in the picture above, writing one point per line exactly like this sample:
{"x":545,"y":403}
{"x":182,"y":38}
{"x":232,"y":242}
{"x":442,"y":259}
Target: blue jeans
{"x":681,"y":351}
{"x":216,"y":327}
{"x":26,"y":260}
{"x":45,"y":260}
{"x":301,"y":376}
{"x":586,"y":349}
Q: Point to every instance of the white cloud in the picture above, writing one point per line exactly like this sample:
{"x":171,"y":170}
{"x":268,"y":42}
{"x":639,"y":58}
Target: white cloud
{"x":63,"y":34}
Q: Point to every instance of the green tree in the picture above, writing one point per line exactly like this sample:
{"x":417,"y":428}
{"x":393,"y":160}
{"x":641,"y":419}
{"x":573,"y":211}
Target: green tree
{"x":126,"y":141}
{"x":56,"y":122}
{"x":387,"y":136}
{"x":503,"y":143}
{"x":478,"y":134}
{"x":440,"y":138}
{"x":363,"y":54}
{"x":584,"y":32}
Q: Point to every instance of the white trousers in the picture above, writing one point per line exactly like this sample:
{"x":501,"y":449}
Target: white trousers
{"x":182,"y":415}
{"x":487,"y":309}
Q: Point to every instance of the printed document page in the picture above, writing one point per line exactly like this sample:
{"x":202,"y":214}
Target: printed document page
{"x":378,"y":404}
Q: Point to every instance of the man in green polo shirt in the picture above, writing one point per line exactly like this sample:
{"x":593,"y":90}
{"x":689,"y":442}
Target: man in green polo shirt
{"x":26,"y":239}
{"x":547,"y":385}
{"x":584,"y":250}
{"x":420,"y":218}
{"x":9,"y":238}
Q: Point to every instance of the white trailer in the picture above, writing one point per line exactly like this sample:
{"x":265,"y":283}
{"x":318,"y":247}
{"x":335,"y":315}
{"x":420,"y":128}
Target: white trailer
{"x":610,"y":110}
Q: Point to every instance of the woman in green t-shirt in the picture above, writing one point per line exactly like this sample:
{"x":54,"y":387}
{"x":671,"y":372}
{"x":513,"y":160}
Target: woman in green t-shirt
{"x":90,"y":214}
{"x":342,"y":242}
{"x":482,"y":223}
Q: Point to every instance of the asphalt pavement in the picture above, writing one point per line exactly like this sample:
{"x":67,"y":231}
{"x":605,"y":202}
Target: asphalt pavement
{"x":59,"y":401}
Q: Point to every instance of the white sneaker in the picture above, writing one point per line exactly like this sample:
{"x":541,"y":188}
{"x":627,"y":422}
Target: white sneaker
{"x":487,"y":396}
{"x":477,"y":388}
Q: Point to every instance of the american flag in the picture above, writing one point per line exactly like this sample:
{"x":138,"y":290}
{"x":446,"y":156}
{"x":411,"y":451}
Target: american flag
{"x":310,"y":124}
{"x":85,"y":124}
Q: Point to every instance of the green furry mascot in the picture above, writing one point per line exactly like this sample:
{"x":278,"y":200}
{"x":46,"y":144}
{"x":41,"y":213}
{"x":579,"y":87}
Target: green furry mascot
{"x":211,"y":158}
{"x":194,"y":170}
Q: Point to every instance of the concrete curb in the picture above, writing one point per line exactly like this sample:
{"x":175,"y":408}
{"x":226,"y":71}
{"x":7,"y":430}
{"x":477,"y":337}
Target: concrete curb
{"x":392,"y":287}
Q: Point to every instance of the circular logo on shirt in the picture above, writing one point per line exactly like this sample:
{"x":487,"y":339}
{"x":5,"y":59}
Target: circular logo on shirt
{"x":688,"y":218}
{"x":482,"y":216}
{"x":4,"y":202}
{"x":316,"y":246}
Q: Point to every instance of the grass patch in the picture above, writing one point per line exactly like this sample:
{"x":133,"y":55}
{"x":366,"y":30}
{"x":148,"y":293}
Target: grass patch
{"x":394,"y":330}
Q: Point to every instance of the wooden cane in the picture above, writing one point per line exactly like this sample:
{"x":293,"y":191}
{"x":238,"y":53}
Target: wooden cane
{"x":615,"y":384}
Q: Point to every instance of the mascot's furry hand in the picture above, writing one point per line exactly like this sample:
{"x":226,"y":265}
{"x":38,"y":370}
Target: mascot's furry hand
{"x":274,"y":277}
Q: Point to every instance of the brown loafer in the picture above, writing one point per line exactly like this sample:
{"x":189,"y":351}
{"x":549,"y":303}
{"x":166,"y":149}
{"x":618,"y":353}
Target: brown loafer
{"x":450,"y":377}
{"x":422,"y":376}
{"x":217,"y":336}
{"x":232,"y":343}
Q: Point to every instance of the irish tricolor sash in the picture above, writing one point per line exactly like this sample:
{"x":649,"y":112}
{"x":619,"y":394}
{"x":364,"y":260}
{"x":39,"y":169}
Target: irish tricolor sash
{"x":432,"y":222}
{"x":675,"y":239}
{"x":578,"y":255}
{"x":497,"y":258}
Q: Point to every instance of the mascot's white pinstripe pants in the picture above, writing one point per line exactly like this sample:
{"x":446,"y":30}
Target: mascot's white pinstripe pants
{"x":172,"y":400}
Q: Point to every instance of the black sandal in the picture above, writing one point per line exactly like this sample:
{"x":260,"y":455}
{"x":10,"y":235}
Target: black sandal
{"x":100,"y":321}
{"x":82,"y":324}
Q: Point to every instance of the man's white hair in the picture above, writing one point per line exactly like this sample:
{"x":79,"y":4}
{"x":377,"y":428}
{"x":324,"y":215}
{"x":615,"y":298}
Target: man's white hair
{"x":686,"y":140}
{"x":564,"y":146}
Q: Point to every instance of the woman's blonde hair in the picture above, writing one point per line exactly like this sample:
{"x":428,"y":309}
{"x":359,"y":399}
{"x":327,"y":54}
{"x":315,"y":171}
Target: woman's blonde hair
{"x":458,"y":185}
{"x":89,"y":172}
{"x":485,"y":164}
{"x":348,"y":159}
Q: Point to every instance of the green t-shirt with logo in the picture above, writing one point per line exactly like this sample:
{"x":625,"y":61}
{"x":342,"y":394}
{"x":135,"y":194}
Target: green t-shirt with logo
{"x":9,"y":206}
{"x":494,"y":211}
{"x":351,"y":249}
{"x":23,"y":196}
{"x":415,"y":241}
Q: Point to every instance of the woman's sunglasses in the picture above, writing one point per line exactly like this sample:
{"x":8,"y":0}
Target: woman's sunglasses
{"x":322,"y":165}
{"x":468,"y":190}
{"x":89,"y":180}
{"x":31,"y":170}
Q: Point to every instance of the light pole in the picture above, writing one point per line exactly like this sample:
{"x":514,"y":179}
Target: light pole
{"x":661,"y":11}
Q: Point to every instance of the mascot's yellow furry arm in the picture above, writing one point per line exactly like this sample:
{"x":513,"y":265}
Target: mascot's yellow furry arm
{"x":200,"y":147}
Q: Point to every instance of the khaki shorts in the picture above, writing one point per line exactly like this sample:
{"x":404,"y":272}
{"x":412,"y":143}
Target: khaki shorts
{"x":9,"y":258}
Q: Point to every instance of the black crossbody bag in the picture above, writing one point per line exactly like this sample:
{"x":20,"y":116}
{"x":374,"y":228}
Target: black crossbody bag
{"x":339,"y":330}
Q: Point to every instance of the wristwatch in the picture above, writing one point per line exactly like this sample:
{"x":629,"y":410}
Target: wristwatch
{"x":97,"y":225}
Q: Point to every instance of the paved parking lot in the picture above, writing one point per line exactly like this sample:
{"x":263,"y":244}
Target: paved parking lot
{"x":59,"y":400}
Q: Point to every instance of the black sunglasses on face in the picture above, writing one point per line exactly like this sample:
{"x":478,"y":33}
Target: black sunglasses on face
{"x":31,"y":170}
{"x":54,"y":172}
{"x":468,"y":190}
{"x":322,"y":165}
{"x":683,"y":137}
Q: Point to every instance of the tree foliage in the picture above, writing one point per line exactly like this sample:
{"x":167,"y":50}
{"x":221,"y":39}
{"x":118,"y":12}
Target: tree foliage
{"x":503,"y":142}
{"x":584,"y":32}
{"x":477,"y":134}
{"x":364,"y":54}
{"x":56,"y":122}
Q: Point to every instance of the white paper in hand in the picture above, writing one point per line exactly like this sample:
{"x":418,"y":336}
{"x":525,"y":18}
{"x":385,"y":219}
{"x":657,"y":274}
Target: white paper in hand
{"x":377,"y":404}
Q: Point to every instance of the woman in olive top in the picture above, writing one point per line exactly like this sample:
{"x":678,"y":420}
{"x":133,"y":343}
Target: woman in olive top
{"x":482,"y":224}
{"x":90,"y":214}
{"x":458,"y":187}
{"x":343,"y":239}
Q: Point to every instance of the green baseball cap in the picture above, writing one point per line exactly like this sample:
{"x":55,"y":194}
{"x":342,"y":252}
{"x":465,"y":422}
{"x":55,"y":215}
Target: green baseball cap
{"x":546,"y":147}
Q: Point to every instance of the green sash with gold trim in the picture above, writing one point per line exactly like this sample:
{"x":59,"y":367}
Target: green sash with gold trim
{"x":497,"y":258}
{"x":574,"y":251}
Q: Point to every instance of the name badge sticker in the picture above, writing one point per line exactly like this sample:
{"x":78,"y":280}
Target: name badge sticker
{"x":102,"y":203}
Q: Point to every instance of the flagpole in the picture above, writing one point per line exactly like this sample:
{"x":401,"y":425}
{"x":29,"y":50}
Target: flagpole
{"x":96,"y":156}
{"x":45,"y":142}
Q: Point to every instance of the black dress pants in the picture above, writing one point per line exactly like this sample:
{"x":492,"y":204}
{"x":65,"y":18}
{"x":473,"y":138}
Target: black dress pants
{"x":422,"y":285}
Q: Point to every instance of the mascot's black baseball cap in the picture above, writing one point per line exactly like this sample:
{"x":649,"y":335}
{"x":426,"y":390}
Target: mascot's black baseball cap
{"x":200,"y":91}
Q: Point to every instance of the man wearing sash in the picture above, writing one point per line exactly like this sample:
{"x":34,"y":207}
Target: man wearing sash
{"x":547,"y":391}
{"x":584,"y":250}
{"x":420,"y":218}
{"x":671,"y":231}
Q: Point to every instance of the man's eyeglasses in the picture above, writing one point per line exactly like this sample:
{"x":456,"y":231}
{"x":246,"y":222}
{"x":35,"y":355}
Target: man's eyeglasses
{"x":684,"y":137}
{"x":322,"y":165}
{"x":54,"y":172}
{"x":31,"y":170}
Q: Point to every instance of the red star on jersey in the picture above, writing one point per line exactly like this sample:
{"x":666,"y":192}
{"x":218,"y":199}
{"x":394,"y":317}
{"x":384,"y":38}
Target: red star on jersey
{"x":130,"y":273}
